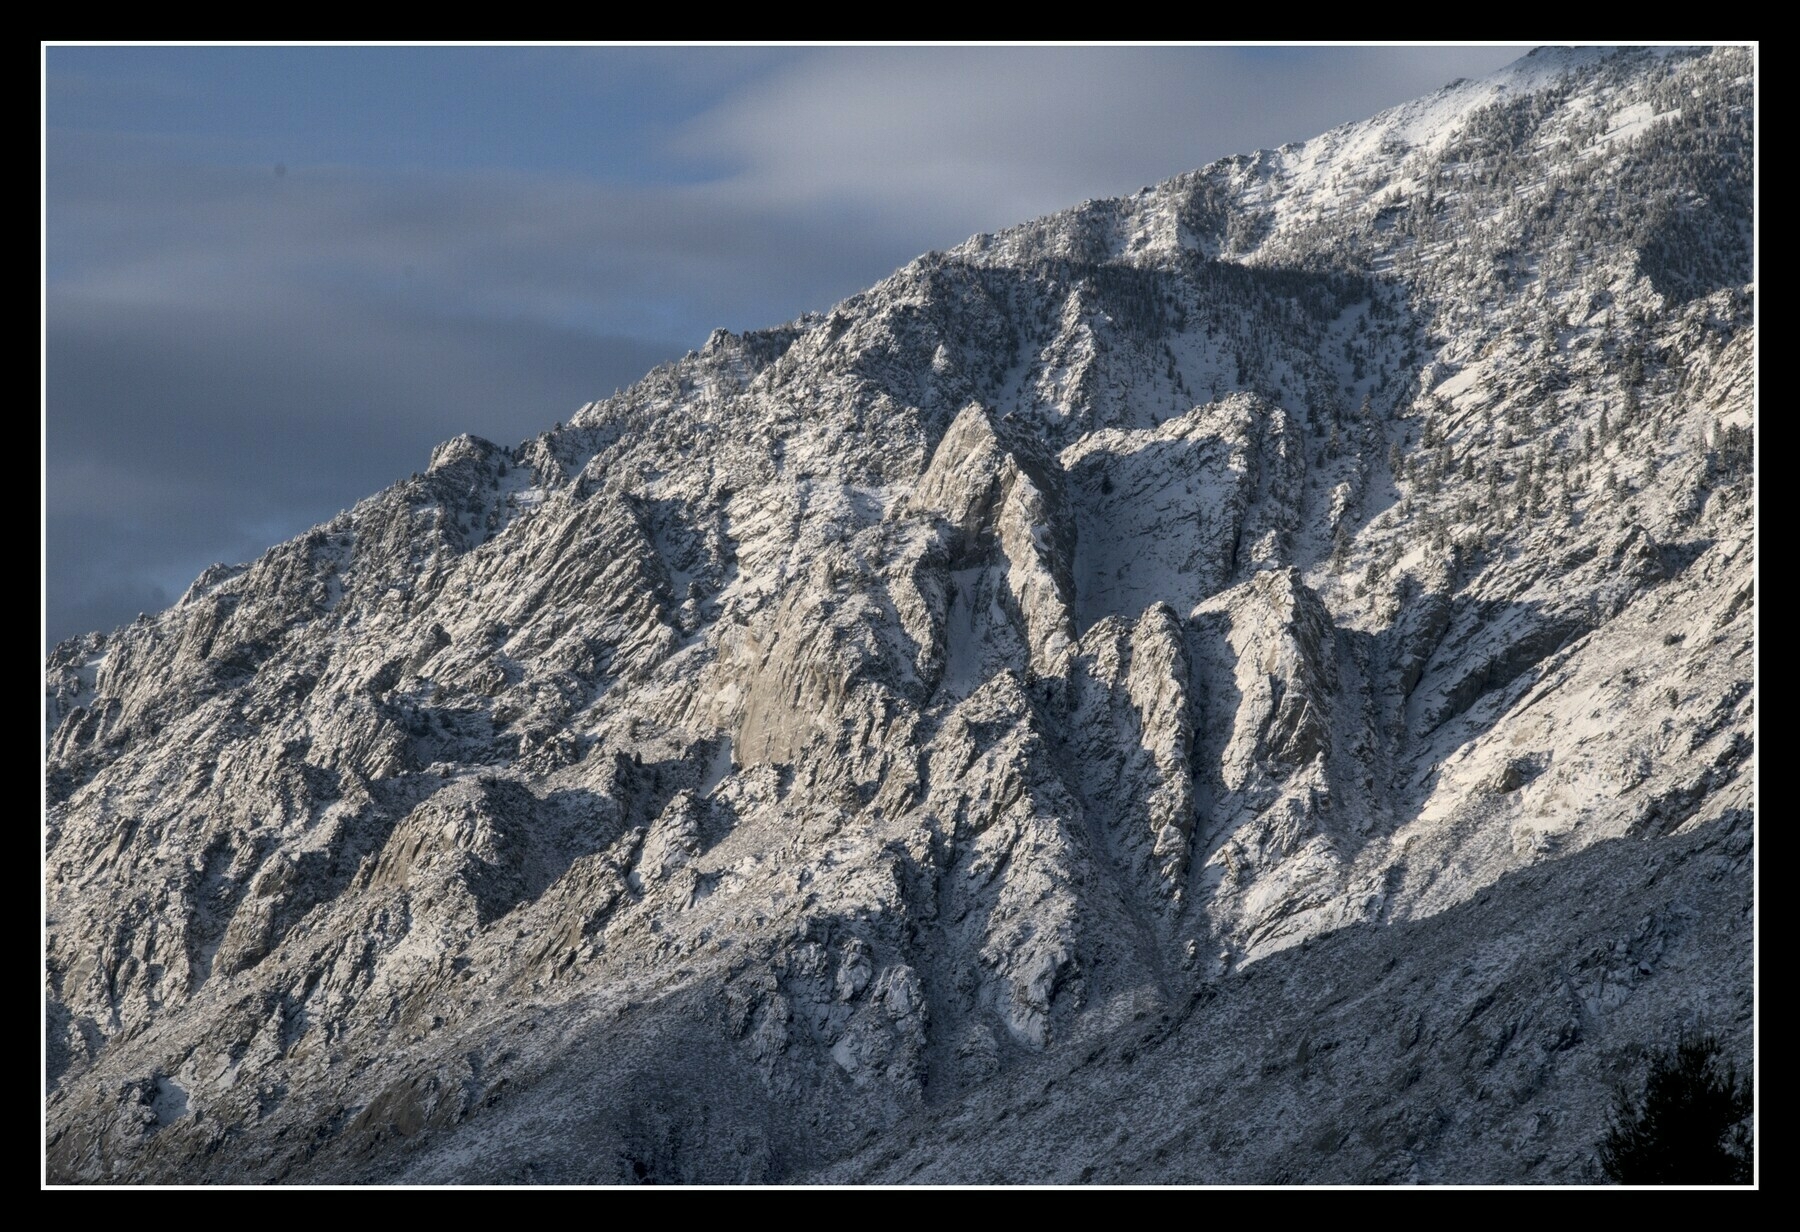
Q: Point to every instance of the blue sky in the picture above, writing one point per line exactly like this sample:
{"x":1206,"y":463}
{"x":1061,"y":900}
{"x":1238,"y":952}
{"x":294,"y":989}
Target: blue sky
{"x":275,"y":277}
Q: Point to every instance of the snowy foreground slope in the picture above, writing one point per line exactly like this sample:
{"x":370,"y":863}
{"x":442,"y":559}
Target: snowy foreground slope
{"x":1251,"y":681}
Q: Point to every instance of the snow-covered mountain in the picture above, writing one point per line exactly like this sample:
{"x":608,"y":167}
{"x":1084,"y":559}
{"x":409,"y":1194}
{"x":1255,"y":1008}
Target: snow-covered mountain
{"x":1249,"y":681}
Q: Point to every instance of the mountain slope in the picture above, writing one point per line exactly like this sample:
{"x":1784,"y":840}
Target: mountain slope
{"x":854,"y":721}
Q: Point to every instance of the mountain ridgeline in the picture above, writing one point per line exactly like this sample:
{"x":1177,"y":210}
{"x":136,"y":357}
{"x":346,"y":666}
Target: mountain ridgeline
{"x":1251,"y":681}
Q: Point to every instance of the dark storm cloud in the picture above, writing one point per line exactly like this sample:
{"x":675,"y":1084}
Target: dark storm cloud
{"x":235,"y":354}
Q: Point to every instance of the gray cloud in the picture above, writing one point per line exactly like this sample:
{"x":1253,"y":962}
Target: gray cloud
{"x":561,"y":250}
{"x":233,"y":355}
{"x":984,"y":137}
{"x":195,"y":433}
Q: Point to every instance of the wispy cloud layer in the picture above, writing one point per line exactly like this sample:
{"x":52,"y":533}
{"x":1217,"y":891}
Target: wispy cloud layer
{"x":976,"y":138}
{"x":275,"y":282}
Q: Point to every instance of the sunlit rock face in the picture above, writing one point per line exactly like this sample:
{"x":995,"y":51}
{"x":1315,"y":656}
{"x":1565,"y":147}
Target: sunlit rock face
{"x":1251,"y":681}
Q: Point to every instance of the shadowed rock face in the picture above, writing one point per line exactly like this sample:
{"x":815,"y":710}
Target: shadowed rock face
{"x":1250,"y":681}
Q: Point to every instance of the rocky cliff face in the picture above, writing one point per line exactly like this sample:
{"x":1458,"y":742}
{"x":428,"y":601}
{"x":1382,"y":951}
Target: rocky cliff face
{"x":1293,"y":625}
